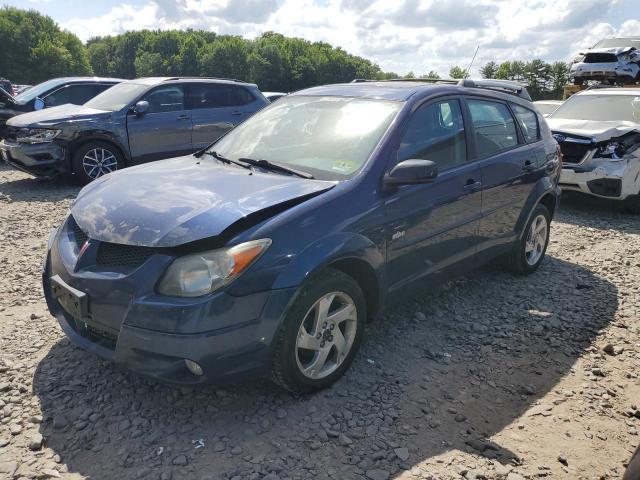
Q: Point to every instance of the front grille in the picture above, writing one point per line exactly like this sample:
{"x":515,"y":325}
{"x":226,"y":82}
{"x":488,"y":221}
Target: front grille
{"x":115,"y":255}
{"x":600,"y":58}
{"x":573,"y":151}
{"x":78,"y":234}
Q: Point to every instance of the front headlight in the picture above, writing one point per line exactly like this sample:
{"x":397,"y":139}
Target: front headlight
{"x":625,"y":57}
{"x":36,"y":135}
{"x":202,"y":273}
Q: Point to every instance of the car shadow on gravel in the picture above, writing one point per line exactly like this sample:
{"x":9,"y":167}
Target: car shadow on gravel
{"x":445,"y":371}
{"x":29,"y":189}
{"x":589,"y":211}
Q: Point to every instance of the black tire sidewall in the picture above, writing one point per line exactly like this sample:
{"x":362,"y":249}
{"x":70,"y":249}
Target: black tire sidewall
{"x":78,"y":155}
{"x":286,"y":370}
{"x":521,"y":259}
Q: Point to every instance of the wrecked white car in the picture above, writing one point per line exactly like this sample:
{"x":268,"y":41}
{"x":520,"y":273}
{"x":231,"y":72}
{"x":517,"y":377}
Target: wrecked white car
{"x":599,"y":135}
{"x":616,"y":60}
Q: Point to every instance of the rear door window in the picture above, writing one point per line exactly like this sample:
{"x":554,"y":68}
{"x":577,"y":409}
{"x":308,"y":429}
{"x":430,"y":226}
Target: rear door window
{"x":436,"y":133}
{"x":528,"y":121}
{"x":208,"y":95}
{"x":494,"y":127}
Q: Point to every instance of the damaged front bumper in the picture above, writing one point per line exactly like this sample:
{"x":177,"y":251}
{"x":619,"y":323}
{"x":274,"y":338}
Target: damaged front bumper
{"x":42,"y":160}
{"x":604,"y":71}
{"x":603,"y":177}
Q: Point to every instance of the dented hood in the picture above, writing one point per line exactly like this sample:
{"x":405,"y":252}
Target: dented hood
{"x":596,"y":130}
{"x":55,"y":115}
{"x":614,"y":50}
{"x":176,"y":201}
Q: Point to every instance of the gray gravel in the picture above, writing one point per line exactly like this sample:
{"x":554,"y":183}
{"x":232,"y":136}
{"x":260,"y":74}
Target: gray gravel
{"x":493,"y":376}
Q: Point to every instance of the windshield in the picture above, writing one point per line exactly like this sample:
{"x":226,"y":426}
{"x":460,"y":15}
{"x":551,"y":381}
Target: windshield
{"x":600,"y":108}
{"x":38,"y":90}
{"x":618,"y":42}
{"x":329,"y":137}
{"x":117,"y":97}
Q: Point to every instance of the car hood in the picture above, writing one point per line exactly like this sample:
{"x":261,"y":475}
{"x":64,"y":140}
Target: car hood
{"x":597,"y":130}
{"x":181,"y":200}
{"x":614,"y":50}
{"x":48,"y":117}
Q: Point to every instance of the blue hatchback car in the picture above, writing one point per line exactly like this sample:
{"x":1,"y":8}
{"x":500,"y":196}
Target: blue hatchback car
{"x":271,"y":249}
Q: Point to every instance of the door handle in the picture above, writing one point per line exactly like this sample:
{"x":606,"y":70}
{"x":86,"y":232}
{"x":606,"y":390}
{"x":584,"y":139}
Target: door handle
{"x":528,"y":166}
{"x":472,"y":186}
{"x":183,"y":117}
{"x":236,"y":113}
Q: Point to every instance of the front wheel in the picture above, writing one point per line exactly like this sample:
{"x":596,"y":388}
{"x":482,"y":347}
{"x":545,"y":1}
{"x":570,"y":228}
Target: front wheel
{"x":95,"y":159}
{"x":321,"y":333}
{"x":532,"y":247}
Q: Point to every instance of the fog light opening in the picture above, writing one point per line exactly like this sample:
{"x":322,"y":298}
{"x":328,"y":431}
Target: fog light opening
{"x":193,"y":367}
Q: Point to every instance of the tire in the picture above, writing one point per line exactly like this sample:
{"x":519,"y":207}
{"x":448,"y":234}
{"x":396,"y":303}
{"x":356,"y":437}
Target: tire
{"x":302,"y":370}
{"x":94,"y":159}
{"x":522,"y":260}
{"x":578,"y":81}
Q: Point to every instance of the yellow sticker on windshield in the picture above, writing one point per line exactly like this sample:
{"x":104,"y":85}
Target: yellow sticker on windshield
{"x":343,"y":166}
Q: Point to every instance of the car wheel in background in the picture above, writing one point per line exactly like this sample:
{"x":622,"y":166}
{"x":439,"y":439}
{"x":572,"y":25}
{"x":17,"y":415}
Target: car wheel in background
{"x":320,"y":334}
{"x":531,"y":249}
{"x":95,"y":159}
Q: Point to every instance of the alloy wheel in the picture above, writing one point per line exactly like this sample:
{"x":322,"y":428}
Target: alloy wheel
{"x":99,"y":161}
{"x":326,"y":335}
{"x":536,"y":240}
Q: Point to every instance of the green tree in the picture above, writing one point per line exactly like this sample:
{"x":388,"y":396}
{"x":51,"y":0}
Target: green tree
{"x":410,"y":74}
{"x":458,"y":72}
{"x":489,"y":70}
{"x":34,"y":48}
{"x":432,"y":75}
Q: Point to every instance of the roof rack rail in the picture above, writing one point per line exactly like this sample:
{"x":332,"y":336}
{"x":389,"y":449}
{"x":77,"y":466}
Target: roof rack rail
{"x":205,"y":78}
{"x":506,"y":86}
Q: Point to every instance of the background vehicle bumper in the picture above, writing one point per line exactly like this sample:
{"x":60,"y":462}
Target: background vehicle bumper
{"x":598,"y":182}
{"x":609,"y":70}
{"x":37,"y":159}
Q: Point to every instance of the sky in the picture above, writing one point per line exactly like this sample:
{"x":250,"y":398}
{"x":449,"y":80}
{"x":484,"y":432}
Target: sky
{"x":398,"y":35}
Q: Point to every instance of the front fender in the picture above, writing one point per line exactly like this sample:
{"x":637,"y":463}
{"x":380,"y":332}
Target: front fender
{"x":328,"y":250}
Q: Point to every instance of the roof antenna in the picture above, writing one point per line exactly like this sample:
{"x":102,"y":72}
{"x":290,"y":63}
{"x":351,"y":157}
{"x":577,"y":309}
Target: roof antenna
{"x":466,"y":72}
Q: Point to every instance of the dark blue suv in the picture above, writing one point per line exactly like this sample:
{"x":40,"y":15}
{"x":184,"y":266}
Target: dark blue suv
{"x":271,"y":249}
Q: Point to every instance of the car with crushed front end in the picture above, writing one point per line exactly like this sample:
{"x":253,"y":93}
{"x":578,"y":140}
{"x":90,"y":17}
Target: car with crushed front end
{"x":269,"y":251}
{"x":599,"y":134}
{"x":135,"y":122}
{"x":612,"y":60}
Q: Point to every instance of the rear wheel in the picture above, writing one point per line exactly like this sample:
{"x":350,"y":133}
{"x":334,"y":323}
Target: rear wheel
{"x":95,"y":159}
{"x":321,"y":333}
{"x":531,"y":249}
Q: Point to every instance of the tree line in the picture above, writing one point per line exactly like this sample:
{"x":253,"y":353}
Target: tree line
{"x":35,"y":49}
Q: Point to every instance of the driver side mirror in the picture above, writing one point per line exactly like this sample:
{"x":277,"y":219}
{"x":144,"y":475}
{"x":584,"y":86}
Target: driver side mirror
{"x":141,"y":108}
{"x":411,"y":172}
{"x":38,"y":104}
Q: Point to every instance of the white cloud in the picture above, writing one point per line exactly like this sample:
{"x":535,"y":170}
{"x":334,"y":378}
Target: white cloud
{"x":402,"y":35}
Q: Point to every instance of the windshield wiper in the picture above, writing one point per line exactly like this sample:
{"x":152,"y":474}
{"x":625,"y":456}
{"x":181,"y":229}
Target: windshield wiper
{"x":224,"y":159}
{"x":269,"y":165}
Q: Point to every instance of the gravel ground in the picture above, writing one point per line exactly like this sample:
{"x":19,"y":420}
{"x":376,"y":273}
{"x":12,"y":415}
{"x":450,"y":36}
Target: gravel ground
{"x":494,"y":376}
